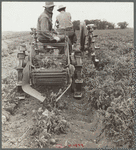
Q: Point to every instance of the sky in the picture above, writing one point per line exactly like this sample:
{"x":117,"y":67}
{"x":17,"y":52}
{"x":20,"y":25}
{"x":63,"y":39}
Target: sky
{"x":21,"y":16}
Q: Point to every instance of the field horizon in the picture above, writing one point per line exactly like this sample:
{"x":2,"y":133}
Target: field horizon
{"x":96,"y":29}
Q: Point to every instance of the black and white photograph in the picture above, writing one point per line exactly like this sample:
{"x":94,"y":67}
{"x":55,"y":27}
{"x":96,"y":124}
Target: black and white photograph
{"x":67,"y":74}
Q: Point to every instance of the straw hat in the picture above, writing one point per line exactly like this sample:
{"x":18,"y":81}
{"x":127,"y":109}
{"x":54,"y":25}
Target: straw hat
{"x":60,"y":7}
{"x":49,"y":4}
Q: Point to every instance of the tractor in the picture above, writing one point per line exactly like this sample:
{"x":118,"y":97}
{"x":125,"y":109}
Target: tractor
{"x":51,"y":64}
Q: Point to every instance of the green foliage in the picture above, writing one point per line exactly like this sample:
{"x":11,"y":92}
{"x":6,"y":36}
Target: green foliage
{"x":45,"y":124}
{"x":110,"y":89}
{"x":119,"y":121}
{"x":122,"y":25}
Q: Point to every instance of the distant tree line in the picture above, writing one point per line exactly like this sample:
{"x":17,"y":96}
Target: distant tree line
{"x":101,"y":25}
{"x":122,"y":25}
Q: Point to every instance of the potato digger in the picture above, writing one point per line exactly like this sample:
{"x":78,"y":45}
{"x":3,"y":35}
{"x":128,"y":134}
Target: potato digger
{"x":51,"y":64}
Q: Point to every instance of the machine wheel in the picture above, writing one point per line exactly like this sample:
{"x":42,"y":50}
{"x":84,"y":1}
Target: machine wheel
{"x":82,"y":35}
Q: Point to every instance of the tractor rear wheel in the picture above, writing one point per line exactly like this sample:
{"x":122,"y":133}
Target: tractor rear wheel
{"x":82,"y":35}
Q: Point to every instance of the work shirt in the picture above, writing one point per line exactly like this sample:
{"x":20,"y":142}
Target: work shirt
{"x":44,"y":25}
{"x":65,"y":26}
{"x":64,"y":20}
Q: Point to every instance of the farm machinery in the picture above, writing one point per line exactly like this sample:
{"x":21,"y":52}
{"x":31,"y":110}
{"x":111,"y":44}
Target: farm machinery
{"x":51,"y":64}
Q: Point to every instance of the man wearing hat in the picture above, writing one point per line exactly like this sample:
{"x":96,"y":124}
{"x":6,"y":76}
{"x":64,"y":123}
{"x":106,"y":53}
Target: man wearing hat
{"x":64,"y":24}
{"x":44,"y":24}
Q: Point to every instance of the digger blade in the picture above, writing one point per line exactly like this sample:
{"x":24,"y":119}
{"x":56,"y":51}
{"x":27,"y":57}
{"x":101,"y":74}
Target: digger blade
{"x":26,"y":84}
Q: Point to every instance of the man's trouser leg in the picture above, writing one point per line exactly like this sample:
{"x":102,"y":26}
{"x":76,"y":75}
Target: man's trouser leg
{"x":71,"y":34}
{"x":70,"y":46}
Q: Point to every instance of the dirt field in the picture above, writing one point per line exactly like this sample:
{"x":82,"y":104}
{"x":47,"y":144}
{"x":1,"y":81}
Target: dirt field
{"x":103,"y":118}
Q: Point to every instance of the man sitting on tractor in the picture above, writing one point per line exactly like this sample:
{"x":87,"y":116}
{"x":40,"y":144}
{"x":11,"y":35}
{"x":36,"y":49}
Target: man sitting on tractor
{"x":45,"y":33}
{"x":64,"y":25}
